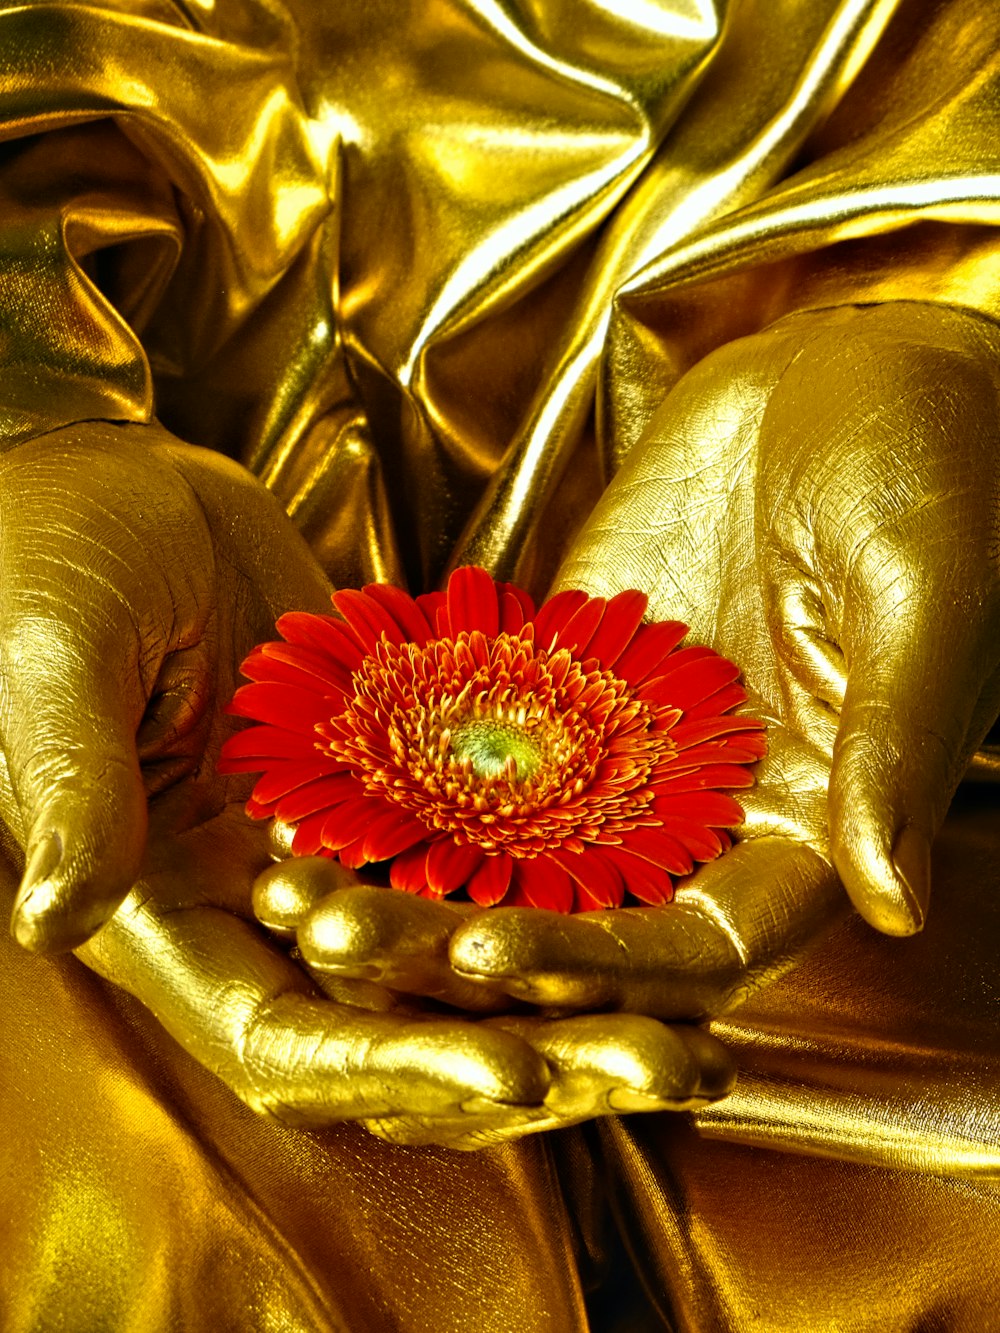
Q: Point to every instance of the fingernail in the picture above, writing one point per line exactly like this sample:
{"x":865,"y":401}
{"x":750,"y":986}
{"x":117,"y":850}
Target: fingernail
{"x":37,"y":892}
{"x":911,"y":860}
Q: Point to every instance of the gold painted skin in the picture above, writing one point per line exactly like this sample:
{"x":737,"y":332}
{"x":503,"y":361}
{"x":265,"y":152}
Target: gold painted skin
{"x":389,"y":279}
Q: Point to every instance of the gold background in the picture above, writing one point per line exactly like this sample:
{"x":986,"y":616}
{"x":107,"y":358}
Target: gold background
{"x":410,"y":262}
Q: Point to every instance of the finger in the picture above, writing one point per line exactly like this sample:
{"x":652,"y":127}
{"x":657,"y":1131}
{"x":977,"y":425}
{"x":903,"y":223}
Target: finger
{"x":601,"y":1064}
{"x":738,"y":922}
{"x":70,"y":703}
{"x":244,"y":1010}
{"x":286,"y":892}
{"x":397,"y":939}
{"x":921,"y":694}
{"x":605,"y":1064}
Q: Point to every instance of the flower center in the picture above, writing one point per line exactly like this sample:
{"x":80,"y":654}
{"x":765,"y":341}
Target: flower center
{"x":497,"y":748}
{"x":502,"y":744}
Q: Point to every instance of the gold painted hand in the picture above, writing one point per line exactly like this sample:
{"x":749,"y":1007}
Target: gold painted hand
{"x":819,"y":503}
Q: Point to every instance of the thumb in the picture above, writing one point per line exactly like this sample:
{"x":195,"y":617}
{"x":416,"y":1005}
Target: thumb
{"x":68,"y":717}
{"x":921,"y":694}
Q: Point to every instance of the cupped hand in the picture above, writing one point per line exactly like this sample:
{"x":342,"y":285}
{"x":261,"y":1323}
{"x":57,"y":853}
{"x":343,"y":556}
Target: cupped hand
{"x":353,"y":934}
{"x":821,"y":504}
{"x":135,"y":572}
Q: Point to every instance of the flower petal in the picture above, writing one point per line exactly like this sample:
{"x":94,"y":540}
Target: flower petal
{"x":450,"y":866}
{"x":290,"y":664}
{"x":689,"y":684}
{"x":648,"y":651}
{"x":707,"y":776}
{"x":645,"y":881}
{"x":660,"y":849}
{"x":703,"y":843}
{"x":507,"y":591}
{"x":263,"y":743}
{"x":287,"y":776}
{"x":542,"y":882}
{"x":367,"y":619}
{"x":712,"y":808}
{"x":555,"y":614}
{"x":431,"y":603}
{"x":490,"y":882}
{"x":286,"y":706}
{"x":694,"y":731}
{"x":730,"y":696}
{"x":622,"y":618}
{"x":308,"y":839}
{"x":581,"y":627}
{"x":324,"y":633}
{"x":472,"y":602}
{"x":407,"y":614}
{"x":392,"y":832}
{"x":321,"y":794}
{"x":350,"y":821}
{"x":599,"y":882}
{"x":409,"y":870}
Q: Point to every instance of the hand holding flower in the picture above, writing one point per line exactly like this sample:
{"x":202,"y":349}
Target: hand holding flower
{"x":819,"y":501}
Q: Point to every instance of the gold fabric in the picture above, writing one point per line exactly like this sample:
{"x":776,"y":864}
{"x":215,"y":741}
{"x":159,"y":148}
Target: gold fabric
{"x":416,"y":266}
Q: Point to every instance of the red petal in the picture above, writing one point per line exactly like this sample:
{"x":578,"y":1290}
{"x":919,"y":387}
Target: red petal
{"x":367,"y":618}
{"x":712,"y":808}
{"x":523,"y":599}
{"x":723,"y":775}
{"x":404,"y":610}
{"x":308,"y":839}
{"x":430,"y":604}
{"x":472,"y":602}
{"x":350,"y":821}
{"x":322,"y":794}
{"x":597,"y":877}
{"x":581,"y":627}
{"x":645,"y":881}
{"x":325,"y":634}
{"x":286,"y":776}
{"x":701,"y":842}
{"x":555,"y":613}
{"x":392,"y":832}
{"x":622,"y":617}
{"x":511,"y":614}
{"x":286,"y":706}
{"x":730,"y":696}
{"x":491,"y":881}
{"x":690,"y":683}
{"x":263,"y":743}
{"x":728,"y":750}
{"x":692,"y":731}
{"x":353,"y":855}
{"x":649,"y":649}
{"x":450,"y":866}
{"x":661,"y":849}
{"x":409,"y":870}
{"x":544,"y":883}
{"x":269,"y":662}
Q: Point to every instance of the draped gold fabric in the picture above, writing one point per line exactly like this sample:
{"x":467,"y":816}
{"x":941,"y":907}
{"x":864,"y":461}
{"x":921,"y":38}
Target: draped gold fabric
{"x":428,"y":269}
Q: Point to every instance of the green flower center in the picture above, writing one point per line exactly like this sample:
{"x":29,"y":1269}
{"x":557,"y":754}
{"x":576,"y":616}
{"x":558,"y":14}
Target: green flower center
{"x":492,"y":747}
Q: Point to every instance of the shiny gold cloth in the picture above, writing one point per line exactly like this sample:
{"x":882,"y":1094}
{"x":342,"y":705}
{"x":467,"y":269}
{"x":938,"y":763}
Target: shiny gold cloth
{"x":414,"y":265}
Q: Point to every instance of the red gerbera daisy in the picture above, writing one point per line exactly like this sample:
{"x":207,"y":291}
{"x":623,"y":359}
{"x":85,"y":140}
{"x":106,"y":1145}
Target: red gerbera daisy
{"x":563,"y":758}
